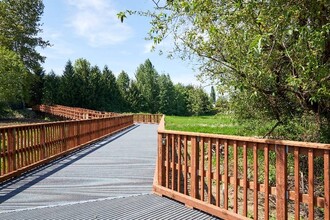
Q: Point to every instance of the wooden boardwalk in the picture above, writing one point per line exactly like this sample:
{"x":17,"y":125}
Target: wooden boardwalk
{"x":111,"y":179}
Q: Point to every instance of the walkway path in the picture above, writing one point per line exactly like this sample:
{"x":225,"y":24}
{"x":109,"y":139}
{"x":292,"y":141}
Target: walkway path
{"x":108,"y":180}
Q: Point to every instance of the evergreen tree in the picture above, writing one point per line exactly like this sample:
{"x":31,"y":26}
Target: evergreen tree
{"x":36,"y":86}
{"x":69,"y":87}
{"x":19,"y":29}
{"x":123,"y":82}
{"x":166,"y":94}
{"x":135,"y":99}
{"x":180,"y":100}
{"x":212,"y":96}
{"x":82,"y":70}
{"x":111,"y":91}
{"x":147,"y":83}
{"x":51,"y":88}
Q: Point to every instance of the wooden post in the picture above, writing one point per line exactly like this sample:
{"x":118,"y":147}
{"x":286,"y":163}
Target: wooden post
{"x":326,"y":185}
{"x":194,"y":168}
{"x":281,"y":182}
{"x":161,"y":155}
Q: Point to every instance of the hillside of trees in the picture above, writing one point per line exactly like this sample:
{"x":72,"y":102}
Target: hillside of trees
{"x":87,"y":86}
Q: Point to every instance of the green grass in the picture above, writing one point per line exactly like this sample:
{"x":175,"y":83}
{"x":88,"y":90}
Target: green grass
{"x":217,"y":124}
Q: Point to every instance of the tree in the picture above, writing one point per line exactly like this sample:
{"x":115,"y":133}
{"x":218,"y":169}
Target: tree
{"x":135,"y":98}
{"x":198,"y":102}
{"x":273,"y":57}
{"x":51,"y":88}
{"x":36,"y":85}
{"x":123,"y":82}
{"x":19,"y":29}
{"x":212,"y":95}
{"x":180,"y":100}
{"x":82,"y":69}
{"x":166,"y":94}
{"x":147,"y":83}
{"x":12,"y":77}
{"x":69,"y":89}
{"x":111,"y":90}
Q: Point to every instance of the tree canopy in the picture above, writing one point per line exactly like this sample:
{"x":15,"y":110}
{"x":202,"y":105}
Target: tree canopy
{"x":12,"y":76}
{"x":19,"y":29}
{"x":271,"y":57}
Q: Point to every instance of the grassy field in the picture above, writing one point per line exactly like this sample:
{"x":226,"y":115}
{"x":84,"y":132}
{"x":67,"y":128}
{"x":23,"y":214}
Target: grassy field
{"x":217,"y":124}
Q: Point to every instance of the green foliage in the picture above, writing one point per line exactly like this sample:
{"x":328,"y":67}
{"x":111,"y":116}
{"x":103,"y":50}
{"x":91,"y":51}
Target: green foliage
{"x":19,"y":29}
{"x":12,"y":77}
{"x":51,"y":89}
{"x":212,"y":95}
{"x":198,"y":101}
{"x":147,"y":83}
{"x":166,"y":94}
{"x":110,"y":91}
{"x":271,"y":57}
{"x":86,"y":86}
{"x":36,"y":85}
{"x":69,"y":88}
{"x":123,"y":82}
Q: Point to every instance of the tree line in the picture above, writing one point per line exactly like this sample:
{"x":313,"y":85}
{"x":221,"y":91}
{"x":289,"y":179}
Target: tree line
{"x":87,"y":86}
{"x":23,"y":81}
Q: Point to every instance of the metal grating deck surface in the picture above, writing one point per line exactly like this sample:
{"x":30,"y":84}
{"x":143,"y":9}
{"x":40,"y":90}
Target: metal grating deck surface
{"x":132,"y":207}
{"x":111,"y":179}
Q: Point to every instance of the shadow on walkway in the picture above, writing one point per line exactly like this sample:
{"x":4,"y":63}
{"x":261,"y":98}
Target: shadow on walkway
{"x":10,"y":188}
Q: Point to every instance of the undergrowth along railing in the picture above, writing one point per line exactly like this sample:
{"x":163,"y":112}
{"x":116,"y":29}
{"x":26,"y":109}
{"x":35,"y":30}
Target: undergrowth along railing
{"x":73,"y":113}
{"x":236,"y":177}
{"x":27,"y":146}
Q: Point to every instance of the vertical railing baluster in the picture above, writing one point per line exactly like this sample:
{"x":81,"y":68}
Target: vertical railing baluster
{"x":235,"y":177}
{"x":201,"y":168}
{"x":209,"y":174}
{"x":281,"y":182}
{"x":310,"y":184}
{"x":179,"y":165}
{"x":255,"y":180}
{"x":296,"y":184}
{"x":266,"y":180}
{"x":185,"y":165}
{"x":217,"y":172}
{"x":194,"y":167}
{"x":173,"y":162}
{"x":226,"y":175}
{"x":245,"y":180}
{"x":326,"y":158}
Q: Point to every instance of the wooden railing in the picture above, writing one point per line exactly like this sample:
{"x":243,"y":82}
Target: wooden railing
{"x":82,"y":113}
{"x":235,"y":177}
{"x":147,"y":118}
{"x":25,"y":147}
{"x":73,"y":112}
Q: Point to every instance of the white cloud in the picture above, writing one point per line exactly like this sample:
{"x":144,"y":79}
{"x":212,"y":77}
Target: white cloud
{"x":96,"y":21}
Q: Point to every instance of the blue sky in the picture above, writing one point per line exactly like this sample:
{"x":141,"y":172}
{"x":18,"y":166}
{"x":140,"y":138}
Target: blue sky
{"x":90,"y":29}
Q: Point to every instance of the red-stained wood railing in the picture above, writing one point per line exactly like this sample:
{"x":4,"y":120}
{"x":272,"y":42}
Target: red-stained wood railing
{"x":27,"y":146}
{"x":147,"y":118}
{"x":82,"y":113}
{"x":235,"y":177}
{"x":73,"y":113}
